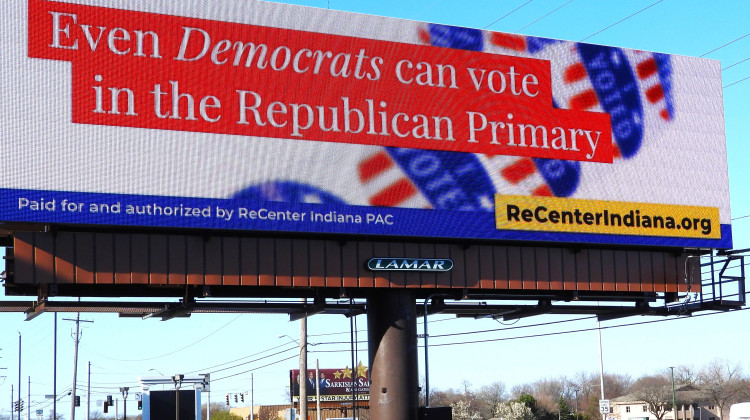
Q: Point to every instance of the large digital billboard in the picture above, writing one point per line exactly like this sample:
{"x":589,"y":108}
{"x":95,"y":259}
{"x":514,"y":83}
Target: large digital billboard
{"x":260,"y":116}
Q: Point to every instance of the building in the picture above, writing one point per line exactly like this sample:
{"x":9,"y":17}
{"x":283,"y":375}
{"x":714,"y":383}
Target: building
{"x":692,"y":404}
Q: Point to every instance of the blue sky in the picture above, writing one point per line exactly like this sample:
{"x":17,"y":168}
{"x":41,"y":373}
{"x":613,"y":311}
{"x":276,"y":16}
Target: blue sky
{"x":121,"y":350}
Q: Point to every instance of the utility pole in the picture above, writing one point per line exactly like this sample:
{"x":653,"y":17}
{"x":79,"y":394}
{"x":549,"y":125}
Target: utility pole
{"x":28,"y":400}
{"x":674,"y":406}
{"x":88,"y":394}
{"x":317,"y":389}
{"x":252,"y":403}
{"x":601,"y":363}
{"x":54,"y":371}
{"x":19,"y":375}
{"x":303,"y":365}
{"x":76,"y":340}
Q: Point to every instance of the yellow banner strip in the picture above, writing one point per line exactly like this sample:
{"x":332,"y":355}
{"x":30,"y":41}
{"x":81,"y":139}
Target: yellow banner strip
{"x":553,"y":214}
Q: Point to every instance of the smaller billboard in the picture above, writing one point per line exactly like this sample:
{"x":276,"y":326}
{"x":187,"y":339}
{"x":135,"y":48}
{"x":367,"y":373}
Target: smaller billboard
{"x":332,"y":384}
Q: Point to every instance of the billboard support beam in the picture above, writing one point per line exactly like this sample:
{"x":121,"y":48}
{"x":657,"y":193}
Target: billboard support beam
{"x":392,"y":344}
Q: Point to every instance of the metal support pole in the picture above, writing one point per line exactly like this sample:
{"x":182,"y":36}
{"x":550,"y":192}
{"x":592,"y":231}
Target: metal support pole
{"x":124,"y":391}
{"x":601,"y":362}
{"x":76,"y":339}
{"x":177,"y":379}
{"x":392,"y":336}
{"x":88,"y":392}
{"x":354,"y":363}
{"x":28,"y":400}
{"x":54,"y":372}
{"x":674,"y":406}
{"x":252,"y":403}
{"x":317,"y":390}
{"x":426,"y":359}
{"x":303,"y":366}
{"x":19,"y":375}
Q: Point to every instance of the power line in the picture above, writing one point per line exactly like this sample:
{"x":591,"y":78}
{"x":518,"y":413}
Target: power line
{"x":172,"y":352}
{"x":210,"y":368}
{"x":547,"y":14}
{"x":252,"y":370}
{"x":622,"y":20}
{"x":510,"y":328}
{"x":575,"y":331}
{"x":729,"y":67}
{"x":252,"y":361}
{"x":722,"y":46}
{"x":732,"y":84}
{"x":507,"y":14}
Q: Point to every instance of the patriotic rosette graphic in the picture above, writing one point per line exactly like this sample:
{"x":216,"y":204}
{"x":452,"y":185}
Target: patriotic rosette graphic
{"x":633,"y":87}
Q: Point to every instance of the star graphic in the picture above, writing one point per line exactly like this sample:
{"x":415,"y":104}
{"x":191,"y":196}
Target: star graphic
{"x":347,"y":372}
{"x":337,"y":375}
{"x":361,"y":370}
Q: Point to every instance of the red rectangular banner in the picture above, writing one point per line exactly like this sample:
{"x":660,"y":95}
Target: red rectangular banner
{"x":137,"y":69}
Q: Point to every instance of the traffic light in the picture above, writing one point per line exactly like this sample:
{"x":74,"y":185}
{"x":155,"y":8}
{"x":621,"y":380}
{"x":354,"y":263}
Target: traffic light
{"x":242,"y":397}
{"x":109,"y":400}
{"x":235,"y":398}
{"x":140,"y":405}
{"x":106,"y":406}
{"x":227,"y":400}
{"x":78,"y":401}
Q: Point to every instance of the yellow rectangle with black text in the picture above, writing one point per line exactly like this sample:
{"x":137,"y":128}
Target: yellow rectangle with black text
{"x":553,"y":214}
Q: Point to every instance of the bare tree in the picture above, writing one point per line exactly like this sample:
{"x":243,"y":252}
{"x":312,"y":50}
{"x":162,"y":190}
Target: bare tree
{"x":723,"y":382}
{"x":655,"y":392}
{"x":490,"y":396}
{"x":684,"y":375}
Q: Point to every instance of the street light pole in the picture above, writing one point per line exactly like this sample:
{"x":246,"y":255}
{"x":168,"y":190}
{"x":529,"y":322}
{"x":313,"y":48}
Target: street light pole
{"x":177,"y":383}
{"x":303,"y":365}
{"x":674,"y":406}
{"x":19,"y":375}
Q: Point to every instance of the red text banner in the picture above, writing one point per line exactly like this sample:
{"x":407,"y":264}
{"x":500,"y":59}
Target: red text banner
{"x":136,"y":69}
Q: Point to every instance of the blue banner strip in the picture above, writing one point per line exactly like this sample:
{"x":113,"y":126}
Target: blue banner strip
{"x":242,"y":214}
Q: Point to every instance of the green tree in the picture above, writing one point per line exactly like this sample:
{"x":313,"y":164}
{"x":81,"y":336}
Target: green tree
{"x":563,"y":409}
{"x":528,"y":400}
{"x":224,"y":415}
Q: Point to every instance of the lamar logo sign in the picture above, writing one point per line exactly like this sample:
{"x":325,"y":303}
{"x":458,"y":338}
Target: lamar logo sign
{"x":409,"y":264}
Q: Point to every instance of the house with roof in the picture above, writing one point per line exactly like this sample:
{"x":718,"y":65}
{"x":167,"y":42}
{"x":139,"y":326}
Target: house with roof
{"x":691,"y":402}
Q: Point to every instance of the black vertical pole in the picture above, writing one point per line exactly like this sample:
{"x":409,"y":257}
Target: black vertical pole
{"x":19,"y":375}
{"x":54,"y":372}
{"x":392,"y":334}
{"x":354,"y":368}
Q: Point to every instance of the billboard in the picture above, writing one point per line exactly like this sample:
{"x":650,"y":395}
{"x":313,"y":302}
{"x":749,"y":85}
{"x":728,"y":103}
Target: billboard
{"x":334,"y":385}
{"x":268,"y":117}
